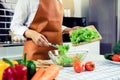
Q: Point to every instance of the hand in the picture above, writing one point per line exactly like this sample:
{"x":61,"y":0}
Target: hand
{"x":38,"y":38}
{"x":67,"y":30}
{"x":75,"y":27}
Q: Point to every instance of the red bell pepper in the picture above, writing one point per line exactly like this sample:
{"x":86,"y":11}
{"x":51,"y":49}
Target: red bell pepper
{"x":14,"y":72}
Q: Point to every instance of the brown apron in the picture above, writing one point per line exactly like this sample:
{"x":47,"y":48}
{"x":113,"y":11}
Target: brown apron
{"x":47,"y":21}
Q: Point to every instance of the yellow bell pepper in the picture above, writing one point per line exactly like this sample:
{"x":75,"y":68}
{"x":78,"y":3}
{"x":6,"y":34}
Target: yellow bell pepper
{"x":4,"y":65}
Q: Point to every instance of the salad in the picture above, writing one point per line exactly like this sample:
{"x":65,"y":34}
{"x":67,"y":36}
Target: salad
{"x":83,"y":35}
{"x":66,"y":59}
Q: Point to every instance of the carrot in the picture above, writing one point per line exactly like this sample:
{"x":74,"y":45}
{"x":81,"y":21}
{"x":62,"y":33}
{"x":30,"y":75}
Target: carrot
{"x":50,"y":73}
{"x":38,"y":74}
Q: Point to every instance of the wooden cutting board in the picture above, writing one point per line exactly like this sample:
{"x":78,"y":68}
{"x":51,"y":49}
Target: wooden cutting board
{"x":44,"y":64}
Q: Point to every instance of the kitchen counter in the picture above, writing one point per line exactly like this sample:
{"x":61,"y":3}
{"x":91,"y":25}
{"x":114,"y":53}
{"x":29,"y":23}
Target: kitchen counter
{"x":14,"y":50}
{"x":104,"y":70}
{"x":10,"y":44}
{"x":11,"y":51}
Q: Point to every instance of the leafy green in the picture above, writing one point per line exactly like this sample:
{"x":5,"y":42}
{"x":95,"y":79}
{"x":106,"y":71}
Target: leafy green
{"x":116,"y":47}
{"x":83,"y":35}
{"x":63,"y":49}
{"x":64,"y":60}
{"x":67,"y":60}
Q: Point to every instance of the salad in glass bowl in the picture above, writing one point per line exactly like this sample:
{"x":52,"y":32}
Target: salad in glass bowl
{"x":63,"y":57}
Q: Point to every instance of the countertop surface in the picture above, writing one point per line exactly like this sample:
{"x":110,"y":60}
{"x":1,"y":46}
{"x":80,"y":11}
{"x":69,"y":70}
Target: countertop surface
{"x":10,"y":44}
{"x":104,"y":70}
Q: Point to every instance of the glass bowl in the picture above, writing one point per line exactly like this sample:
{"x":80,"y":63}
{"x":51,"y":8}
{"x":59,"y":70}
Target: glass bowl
{"x":68,"y":59}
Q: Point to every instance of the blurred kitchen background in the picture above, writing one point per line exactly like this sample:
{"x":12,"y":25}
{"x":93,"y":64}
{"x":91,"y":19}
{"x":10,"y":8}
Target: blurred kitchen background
{"x":103,"y":14}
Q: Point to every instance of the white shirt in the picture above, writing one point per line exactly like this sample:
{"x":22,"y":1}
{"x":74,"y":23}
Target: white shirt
{"x":23,"y":16}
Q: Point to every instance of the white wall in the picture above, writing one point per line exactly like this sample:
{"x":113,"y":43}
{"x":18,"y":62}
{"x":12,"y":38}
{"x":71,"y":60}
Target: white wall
{"x":81,"y":8}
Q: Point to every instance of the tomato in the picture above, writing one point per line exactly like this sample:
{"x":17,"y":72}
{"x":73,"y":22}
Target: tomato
{"x":78,"y":66}
{"x":89,"y":66}
{"x":74,"y":57}
{"x":116,"y":57}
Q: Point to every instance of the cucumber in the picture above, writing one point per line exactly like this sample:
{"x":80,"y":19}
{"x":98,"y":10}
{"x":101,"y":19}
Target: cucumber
{"x":108,"y":56}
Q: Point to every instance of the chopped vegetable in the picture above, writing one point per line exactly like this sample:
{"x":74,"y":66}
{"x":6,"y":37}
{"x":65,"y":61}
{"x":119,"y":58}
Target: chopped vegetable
{"x":67,"y":60}
{"x":63,"y":49}
{"x":82,"y":35}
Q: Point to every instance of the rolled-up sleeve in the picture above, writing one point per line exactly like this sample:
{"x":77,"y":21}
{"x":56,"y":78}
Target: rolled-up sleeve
{"x":63,"y":27}
{"x":19,"y":18}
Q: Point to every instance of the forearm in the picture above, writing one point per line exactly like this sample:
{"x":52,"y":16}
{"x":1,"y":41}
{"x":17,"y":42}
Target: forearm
{"x":38,"y":38}
{"x":29,"y":33}
{"x":67,"y":30}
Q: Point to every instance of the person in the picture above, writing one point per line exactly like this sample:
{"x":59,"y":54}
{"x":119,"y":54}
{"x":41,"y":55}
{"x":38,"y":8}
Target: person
{"x":40,"y":22}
